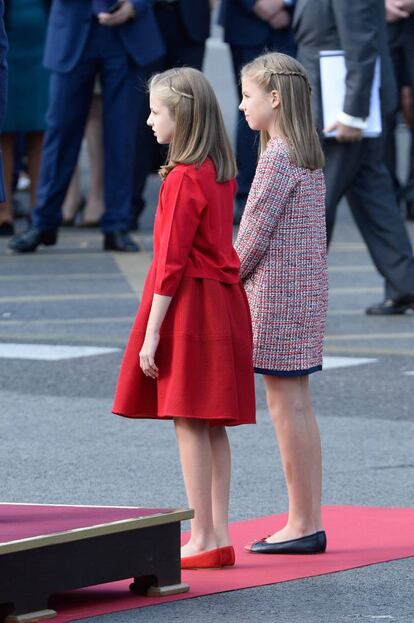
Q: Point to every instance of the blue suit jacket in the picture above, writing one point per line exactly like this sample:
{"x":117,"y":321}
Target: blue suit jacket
{"x":68,"y":30}
{"x":241,"y":25}
{"x":3,"y":88}
{"x":196,"y":17}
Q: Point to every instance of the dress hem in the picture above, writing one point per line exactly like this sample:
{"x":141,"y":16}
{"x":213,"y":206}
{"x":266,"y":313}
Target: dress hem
{"x":288,"y":372}
{"x":211,"y":421}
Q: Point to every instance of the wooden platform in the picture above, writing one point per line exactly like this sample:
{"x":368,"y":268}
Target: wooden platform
{"x":47,"y":549}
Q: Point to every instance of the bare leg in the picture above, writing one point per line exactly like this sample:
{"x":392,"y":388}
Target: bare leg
{"x":196,"y":462}
{"x":8,"y":147}
{"x":34,"y":153}
{"x":74,"y":198}
{"x":95,"y":204}
{"x":220,"y":490}
{"x":297,"y":433}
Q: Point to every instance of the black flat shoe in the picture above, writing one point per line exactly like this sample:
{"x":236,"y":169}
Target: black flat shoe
{"x":322,"y":540}
{"x":120,"y":241}
{"x":391,"y":307}
{"x":311,"y":544}
{"x":31,"y":239}
{"x":6,"y":229}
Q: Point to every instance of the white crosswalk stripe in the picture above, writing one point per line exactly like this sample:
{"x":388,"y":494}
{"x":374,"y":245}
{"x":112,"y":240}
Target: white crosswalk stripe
{"x":329,"y":363}
{"x":50,"y":352}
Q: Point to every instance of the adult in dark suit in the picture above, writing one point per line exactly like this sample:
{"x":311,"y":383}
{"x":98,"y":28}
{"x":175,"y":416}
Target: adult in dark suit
{"x":85,"y":38}
{"x":354,"y":165}
{"x":250,"y":28}
{"x":400,"y":18}
{"x":185,"y":27}
{"x":3,"y":89}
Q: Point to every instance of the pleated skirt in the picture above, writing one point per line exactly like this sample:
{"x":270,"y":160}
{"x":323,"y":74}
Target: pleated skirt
{"x":204,"y":357}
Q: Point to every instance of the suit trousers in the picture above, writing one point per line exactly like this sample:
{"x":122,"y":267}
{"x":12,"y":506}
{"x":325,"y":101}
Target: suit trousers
{"x":70,"y":97}
{"x":181,"y":51}
{"x":357,"y":171}
{"x":402,"y":55}
{"x":247,"y":141}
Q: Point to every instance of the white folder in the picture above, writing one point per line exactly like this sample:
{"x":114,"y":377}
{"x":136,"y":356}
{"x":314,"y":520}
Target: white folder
{"x":333,"y":75}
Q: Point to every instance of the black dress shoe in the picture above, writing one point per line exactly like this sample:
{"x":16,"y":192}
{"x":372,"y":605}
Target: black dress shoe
{"x":311,"y":544}
{"x":31,"y":239}
{"x":120,"y":241}
{"x":6,"y":229}
{"x":392,"y":306}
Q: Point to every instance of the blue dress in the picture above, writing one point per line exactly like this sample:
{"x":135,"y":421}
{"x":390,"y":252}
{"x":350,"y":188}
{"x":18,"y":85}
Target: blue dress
{"x":28,"y":82}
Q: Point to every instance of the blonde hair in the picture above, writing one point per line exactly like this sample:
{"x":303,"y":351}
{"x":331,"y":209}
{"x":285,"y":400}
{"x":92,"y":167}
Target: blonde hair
{"x":199,"y":127}
{"x":284,"y":74}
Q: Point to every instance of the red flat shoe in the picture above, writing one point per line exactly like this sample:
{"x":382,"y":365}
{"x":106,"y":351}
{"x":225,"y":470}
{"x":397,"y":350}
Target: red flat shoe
{"x":211,"y":559}
{"x":228,"y":557}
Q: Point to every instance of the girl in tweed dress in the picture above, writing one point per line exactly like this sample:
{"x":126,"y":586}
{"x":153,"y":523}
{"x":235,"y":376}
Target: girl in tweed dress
{"x":282,"y":249}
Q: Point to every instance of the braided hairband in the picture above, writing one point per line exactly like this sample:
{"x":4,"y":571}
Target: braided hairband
{"x":191,"y":97}
{"x":291,"y":73}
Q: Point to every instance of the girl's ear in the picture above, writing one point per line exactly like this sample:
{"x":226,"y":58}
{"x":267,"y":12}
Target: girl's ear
{"x":275,"y":98}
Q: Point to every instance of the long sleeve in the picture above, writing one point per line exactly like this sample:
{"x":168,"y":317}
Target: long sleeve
{"x":247,"y":5}
{"x":183,"y":203}
{"x":141,"y":5}
{"x":271,"y":187}
{"x":358,"y":31}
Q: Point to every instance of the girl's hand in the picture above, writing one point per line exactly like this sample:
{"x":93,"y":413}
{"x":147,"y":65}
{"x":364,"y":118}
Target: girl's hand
{"x":147,"y":354}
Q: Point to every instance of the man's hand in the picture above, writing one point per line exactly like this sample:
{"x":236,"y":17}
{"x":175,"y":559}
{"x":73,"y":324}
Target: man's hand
{"x":407,"y":106}
{"x":396,"y":10}
{"x":122,"y":15}
{"x":344,"y":133}
{"x":266,"y":9}
{"x":406,"y":5}
{"x":282,"y":19}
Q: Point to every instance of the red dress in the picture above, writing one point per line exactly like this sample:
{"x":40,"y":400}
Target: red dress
{"x":205,"y":351}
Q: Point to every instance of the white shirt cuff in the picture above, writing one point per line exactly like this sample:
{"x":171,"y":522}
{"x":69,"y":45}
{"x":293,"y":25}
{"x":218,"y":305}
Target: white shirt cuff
{"x":353,"y":122}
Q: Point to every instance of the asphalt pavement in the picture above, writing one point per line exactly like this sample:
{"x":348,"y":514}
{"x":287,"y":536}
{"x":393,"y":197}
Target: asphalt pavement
{"x":60,"y":443}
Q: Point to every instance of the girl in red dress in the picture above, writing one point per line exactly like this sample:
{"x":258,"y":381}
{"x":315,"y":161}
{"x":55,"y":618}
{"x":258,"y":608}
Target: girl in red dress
{"x":189,"y":355}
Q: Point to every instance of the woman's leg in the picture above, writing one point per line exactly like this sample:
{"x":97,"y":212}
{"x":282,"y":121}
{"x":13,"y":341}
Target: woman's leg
{"x":6,"y":208}
{"x":34,"y":154}
{"x":196,"y":462}
{"x":298,"y":437}
{"x":220,"y":489}
{"x":73,"y":199}
{"x":95,"y":203}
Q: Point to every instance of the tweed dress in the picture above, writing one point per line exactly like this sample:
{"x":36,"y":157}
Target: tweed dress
{"x":282,"y":248}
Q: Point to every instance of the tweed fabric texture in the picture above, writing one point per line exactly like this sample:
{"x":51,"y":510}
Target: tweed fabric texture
{"x":282,"y":248}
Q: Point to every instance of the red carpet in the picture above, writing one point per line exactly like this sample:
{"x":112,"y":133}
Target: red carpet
{"x":357,"y":536}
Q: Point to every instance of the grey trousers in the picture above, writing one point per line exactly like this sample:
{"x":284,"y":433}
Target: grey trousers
{"x":357,"y":171}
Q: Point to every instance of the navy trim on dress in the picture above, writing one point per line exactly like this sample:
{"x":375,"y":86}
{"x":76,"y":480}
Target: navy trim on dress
{"x":288,"y":372}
